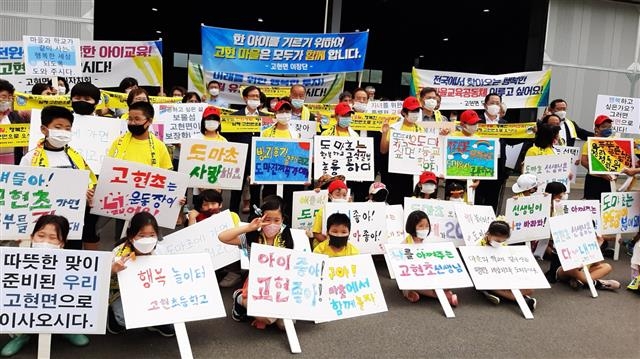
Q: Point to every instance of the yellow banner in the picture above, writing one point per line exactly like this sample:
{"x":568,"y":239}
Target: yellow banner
{"x":322,"y":107}
{"x":272,"y":91}
{"x":119,"y":100}
{"x":240,"y":123}
{"x":23,"y":101}
{"x":511,"y":130}
{"x":14,"y":135}
{"x":371,"y":121}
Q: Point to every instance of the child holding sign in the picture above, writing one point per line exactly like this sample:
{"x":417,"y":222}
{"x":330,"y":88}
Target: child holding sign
{"x":50,"y":232}
{"x":418,"y":228}
{"x":337,"y":193}
{"x":339,"y":230}
{"x":142,"y":236}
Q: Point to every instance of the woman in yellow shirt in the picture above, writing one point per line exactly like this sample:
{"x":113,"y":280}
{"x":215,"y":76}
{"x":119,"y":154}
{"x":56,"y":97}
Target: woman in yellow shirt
{"x":281,"y":128}
{"x":546,"y":136}
{"x":210,"y":125}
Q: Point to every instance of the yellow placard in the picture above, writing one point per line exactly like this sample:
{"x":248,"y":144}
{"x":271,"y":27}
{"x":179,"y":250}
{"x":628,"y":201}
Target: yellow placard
{"x":240,"y":123}
{"x":371,"y":121}
{"x":509,"y":130}
{"x":322,"y":107}
{"x":110,"y":99}
{"x":14,"y":135}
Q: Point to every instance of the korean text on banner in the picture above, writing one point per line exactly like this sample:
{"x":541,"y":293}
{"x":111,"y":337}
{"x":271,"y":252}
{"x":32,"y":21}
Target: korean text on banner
{"x":507,"y":267}
{"x":527,"y":217}
{"x":165,"y":289}
{"x":574,"y":153}
{"x":461,"y":90}
{"x":348,"y":156}
{"x":351,"y":288}
{"x":54,"y":291}
{"x":52,"y":56}
{"x":620,"y":212}
{"x":623,"y":111}
{"x":474,"y":221}
{"x":305,"y":206}
{"x":395,"y":225}
{"x":575,"y":240}
{"x":581,"y":206}
{"x":371,"y":121}
{"x":203,"y":237}
{"x":280,"y":161}
{"x":213,"y":164}
{"x":368,"y":226}
{"x":181,"y":120}
{"x":471,"y":158}
{"x":428,"y":266}
{"x":442,"y":216}
{"x":549,"y":168}
{"x":284,"y":283}
{"x":27,"y":193}
{"x":507,"y":130}
{"x":414,"y":152}
{"x":14,"y":135}
{"x":126,"y":188}
{"x":610,"y":155}
{"x":282,"y":53}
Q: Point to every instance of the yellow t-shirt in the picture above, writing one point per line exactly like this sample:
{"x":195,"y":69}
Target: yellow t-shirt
{"x":140,"y":151}
{"x":332,"y":131}
{"x":275,"y":132}
{"x":348,"y":250}
{"x":219,"y":138}
{"x":537,"y":151}
{"x":409,"y":240}
{"x":317,"y":226}
{"x":407,"y":128}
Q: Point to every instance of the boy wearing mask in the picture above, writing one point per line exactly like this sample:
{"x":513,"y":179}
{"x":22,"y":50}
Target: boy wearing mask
{"x":338,"y":229}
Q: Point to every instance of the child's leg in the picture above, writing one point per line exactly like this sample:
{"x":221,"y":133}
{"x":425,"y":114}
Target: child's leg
{"x":575,"y":273}
{"x":507,"y":294}
{"x":118,"y":312}
{"x":599,"y":270}
{"x":411,"y":295}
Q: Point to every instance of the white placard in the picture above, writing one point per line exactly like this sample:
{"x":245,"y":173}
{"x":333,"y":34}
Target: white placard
{"x":52,"y":56}
{"x":213,"y":164}
{"x":181,"y":120}
{"x":415,"y":152}
{"x":549,"y":168}
{"x":507,"y":267}
{"x":306,"y":129}
{"x":386,"y":107}
{"x":513,"y":152}
{"x":284,"y":283}
{"x":203,"y":237}
{"x":620,"y":212}
{"x":54,"y":291}
{"x":27,"y":193}
{"x":527,"y":217}
{"x":350,"y":288}
{"x":158,"y":290}
{"x":574,"y":152}
{"x":305,"y":206}
{"x":428,"y":266}
{"x":349,"y":156}
{"x":581,"y":206}
{"x":474,"y":221}
{"x":575,"y":240}
{"x":624,"y":111}
{"x":368,"y":224}
{"x":395,"y":224}
{"x":442,"y":216}
{"x":126,"y":188}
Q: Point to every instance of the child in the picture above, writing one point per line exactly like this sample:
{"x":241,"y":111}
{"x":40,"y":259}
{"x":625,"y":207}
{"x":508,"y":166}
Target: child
{"x":455,"y":192}
{"x":498,"y":232}
{"x":337,"y":193}
{"x":266,"y":229}
{"x":378,"y":192}
{"x":141,"y":239}
{"x":338,"y":229}
{"x":418,"y":228}
{"x":427,"y":186}
{"x":525,"y":186}
{"x":50,"y":232}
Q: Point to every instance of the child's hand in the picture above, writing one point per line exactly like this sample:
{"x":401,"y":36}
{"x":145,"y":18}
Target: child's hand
{"x":90,"y":193}
{"x":120,"y":264}
{"x":182,"y":201}
{"x":192,"y":215}
{"x":255,"y":224}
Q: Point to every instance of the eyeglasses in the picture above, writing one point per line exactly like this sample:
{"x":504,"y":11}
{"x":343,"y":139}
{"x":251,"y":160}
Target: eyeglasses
{"x":6,"y":98}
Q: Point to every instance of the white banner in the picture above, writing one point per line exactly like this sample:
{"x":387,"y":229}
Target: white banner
{"x":126,"y":188}
{"x":213,"y":164}
{"x":27,"y":193}
{"x":620,"y":212}
{"x":582,"y":206}
{"x":368,"y":225}
{"x":181,"y":120}
{"x":413,"y":152}
{"x":623,"y":111}
{"x":54,"y":291}
{"x":305,"y":206}
{"x":549,"y":168}
{"x":474,"y":221}
{"x":508,"y":267}
{"x":158,"y":290}
{"x":442,"y":216}
{"x":575,"y":240}
{"x":349,"y":156}
{"x":428,"y":266}
{"x":527,"y":217}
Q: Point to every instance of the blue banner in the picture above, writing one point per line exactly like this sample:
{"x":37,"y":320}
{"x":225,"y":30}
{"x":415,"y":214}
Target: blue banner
{"x":280,"y":161}
{"x":282,"y":53}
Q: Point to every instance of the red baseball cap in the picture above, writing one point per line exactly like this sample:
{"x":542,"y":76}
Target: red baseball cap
{"x":411,"y":103}
{"x":281,"y":103}
{"x":428,"y":176}
{"x":602,"y":119}
{"x":336,"y":184}
{"x":469,"y":117}
{"x":209,"y":111}
{"x":343,"y":109}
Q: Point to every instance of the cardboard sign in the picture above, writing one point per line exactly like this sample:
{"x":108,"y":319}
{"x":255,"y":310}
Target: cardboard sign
{"x":527,"y":217}
{"x":349,"y":156}
{"x":442,"y":216}
{"x":620,"y":212}
{"x":610,"y":155}
{"x":474,"y":221}
{"x":368,"y":227}
{"x":471,"y":158}
{"x":575,"y":240}
{"x":414,"y":152}
{"x":213,"y":164}
{"x":280,"y":161}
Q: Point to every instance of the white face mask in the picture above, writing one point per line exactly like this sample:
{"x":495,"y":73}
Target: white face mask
{"x":495,"y":244}
{"x":471,"y":128}
{"x":62,"y":90}
{"x":359,"y":107}
{"x":428,"y":188}
{"x":253,"y":104}
{"x":145,"y":245}
{"x":422,"y":233}
{"x":59,"y":138}
{"x":338,"y":199}
{"x":283,"y":118}
{"x":214,"y":92}
{"x":5,"y":106}
{"x":211,"y":125}
{"x":561,"y":114}
{"x":413,"y":117}
{"x":44,"y":245}
{"x":297,"y":103}
{"x":430,"y":104}
{"x":493,"y":110}
{"x":456,"y":199}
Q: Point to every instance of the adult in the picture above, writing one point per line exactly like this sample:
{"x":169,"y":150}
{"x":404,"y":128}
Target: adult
{"x":297,"y":96}
{"x":371,"y":92}
{"x":8,"y":155}
{"x":213,"y":95}
{"x":596,"y":184}
{"x":569,"y":130}
{"x":429,"y":99}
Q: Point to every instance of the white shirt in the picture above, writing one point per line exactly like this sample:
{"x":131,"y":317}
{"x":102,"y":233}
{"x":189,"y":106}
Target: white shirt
{"x":490,"y":121}
{"x":57,"y":159}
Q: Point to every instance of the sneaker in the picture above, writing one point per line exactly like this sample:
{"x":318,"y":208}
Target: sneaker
{"x":608,"y":284}
{"x":575,"y":284}
{"x":113,"y":326}
{"x":492,"y":297}
{"x":78,"y":340}
{"x":238,"y":313}
{"x":230,"y":280}
{"x":15,"y":345}
{"x":531,"y":302}
{"x":635,"y":284}
{"x":164,"y":330}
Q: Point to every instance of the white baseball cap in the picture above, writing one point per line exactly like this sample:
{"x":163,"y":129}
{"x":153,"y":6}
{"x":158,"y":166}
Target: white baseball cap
{"x":525,"y":182}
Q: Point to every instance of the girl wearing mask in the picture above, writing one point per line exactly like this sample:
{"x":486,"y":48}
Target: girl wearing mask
{"x":281,"y":128}
{"x":210,"y":125}
{"x":427,"y":186}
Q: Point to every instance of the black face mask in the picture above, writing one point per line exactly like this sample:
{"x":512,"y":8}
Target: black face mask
{"x":338,"y":242}
{"x":137,"y":130}
{"x":380,"y":196}
{"x":83,"y":107}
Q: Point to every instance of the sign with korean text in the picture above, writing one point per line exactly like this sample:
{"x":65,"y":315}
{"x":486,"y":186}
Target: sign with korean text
{"x":474,"y":221}
{"x":233,"y":123}
{"x":442,"y":216}
{"x":372,"y":121}
{"x":282,"y":53}
{"x":575,"y":240}
{"x":52,"y":56}
{"x":348,"y":156}
{"x":471,"y":158}
{"x":385,"y":107}
{"x":54,"y":291}
{"x":581,"y":206}
{"x":181,"y":120}
{"x":126,"y":188}
{"x":574,"y":152}
{"x":610,"y":155}
{"x":165,"y":289}
{"x":306,"y":129}
{"x":27,"y":193}
{"x":395,"y":223}
{"x":527,"y":217}
{"x":463,"y":91}
{"x":284,"y":283}
{"x":280,"y":161}
{"x":414,"y":152}
{"x":507,"y":267}
{"x":428,"y":266}
{"x":620,"y":212}
{"x":203,"y":237}
{"x":368,"y":226}
{"x":14,"y":135}
{"x":549,"y":168}
{"x":305,"y":206}
{"x":213,"y":164}
{"x":507,"y":130}
{"x":623,"y":111}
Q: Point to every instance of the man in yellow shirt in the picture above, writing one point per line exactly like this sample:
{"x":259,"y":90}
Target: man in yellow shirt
{"x":339,"y":230}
